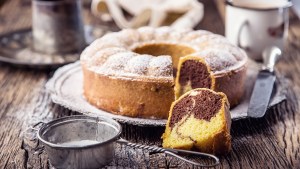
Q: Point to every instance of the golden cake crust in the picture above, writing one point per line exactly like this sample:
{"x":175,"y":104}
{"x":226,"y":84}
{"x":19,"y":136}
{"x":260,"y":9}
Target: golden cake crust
{"x":122,"y":96}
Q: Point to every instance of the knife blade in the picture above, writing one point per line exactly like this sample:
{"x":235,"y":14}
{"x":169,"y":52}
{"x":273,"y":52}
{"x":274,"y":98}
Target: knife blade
{"x":264,"y":84}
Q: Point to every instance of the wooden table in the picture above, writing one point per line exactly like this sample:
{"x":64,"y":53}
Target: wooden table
{"x":269,"y":142}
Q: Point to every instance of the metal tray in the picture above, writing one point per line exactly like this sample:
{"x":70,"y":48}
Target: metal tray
{"x":16,"y":49}
{"x":65,"y":88}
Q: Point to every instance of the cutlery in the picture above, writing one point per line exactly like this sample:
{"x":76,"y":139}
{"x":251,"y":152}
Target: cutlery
{"x":264,"y":83}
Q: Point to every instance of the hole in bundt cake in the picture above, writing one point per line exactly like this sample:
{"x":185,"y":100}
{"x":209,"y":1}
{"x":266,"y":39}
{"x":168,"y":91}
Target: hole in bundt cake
{"x":156,"y":49}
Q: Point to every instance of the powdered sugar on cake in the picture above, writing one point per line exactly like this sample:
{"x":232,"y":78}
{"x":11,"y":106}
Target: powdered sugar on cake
{"x":161,"y":65}
{"x":138,"y":64}
{"x":112,"y":54}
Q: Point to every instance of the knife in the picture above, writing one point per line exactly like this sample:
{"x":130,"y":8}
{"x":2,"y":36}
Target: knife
{"x":264,"y":83}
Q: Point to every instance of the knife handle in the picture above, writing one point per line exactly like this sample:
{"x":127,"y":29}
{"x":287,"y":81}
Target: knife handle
{"x":270,"y":57}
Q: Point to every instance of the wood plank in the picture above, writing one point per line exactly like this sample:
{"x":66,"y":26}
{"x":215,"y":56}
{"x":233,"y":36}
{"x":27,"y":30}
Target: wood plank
{"x":287,"y":116}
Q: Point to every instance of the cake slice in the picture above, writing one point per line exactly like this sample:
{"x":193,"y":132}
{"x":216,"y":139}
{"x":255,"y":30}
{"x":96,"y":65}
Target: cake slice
{"x":193,"y":72}
{"x":199,"y":119}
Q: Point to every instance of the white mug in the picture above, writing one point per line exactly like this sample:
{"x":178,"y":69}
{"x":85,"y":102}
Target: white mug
{"x":256,"y":24}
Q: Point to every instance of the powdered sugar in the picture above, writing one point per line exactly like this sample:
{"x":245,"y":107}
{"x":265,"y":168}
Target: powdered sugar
{"x":98,"y":45}
{"x":209,"y":39}
{"x":217,"y":59}
{"x":101,"y":56}
{"x":138,"y":64}
{"x":191,"y":36}
{"x":162,"y":33}
{"x":161,"y":66}
{"x":116,"y":63}
{"x":111,"y":54}
{"x":146,"y":34}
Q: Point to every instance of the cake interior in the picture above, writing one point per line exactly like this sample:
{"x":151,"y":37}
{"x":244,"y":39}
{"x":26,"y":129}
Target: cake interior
{"x":156,"y":49}
{"x":193,"y":74}
{"x":194,"y":119}
{"x":193,"y":71}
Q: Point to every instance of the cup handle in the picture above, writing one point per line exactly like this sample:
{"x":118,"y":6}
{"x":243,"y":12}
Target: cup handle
{"x":243,"y":25}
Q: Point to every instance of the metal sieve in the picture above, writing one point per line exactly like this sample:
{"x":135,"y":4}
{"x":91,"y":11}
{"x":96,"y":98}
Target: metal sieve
{"x":88,"y":142}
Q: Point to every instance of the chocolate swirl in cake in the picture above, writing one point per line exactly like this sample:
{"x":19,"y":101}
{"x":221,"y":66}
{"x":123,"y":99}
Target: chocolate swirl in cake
{"x":195,"y":72}
{"x":181,"y":109}
{"x":207,"y":105}
{"x":204,"y":105}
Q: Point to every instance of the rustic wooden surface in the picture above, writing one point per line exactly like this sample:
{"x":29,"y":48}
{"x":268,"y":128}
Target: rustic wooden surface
{"x":270,"y":142}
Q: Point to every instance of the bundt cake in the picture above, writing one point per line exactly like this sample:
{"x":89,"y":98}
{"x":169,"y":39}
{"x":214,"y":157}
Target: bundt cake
{"x":131,"y":72}
{"x":199,"y":119}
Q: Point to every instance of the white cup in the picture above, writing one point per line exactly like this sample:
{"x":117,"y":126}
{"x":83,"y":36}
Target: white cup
{"x":256,"y":24}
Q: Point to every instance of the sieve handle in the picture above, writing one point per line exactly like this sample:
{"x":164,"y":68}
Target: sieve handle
{"x":34,"y":127}
{"x":174,"y":153}
{"x":31,"y":131}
